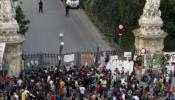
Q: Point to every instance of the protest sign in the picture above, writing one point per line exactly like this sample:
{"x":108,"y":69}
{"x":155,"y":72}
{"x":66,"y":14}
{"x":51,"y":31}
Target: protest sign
{"x":87,"y":58}
{"x":32,"y":62}
{"x":170,"y":56}
{"x":69,"y":58}
{"x":36,"y":62}
{"x":2,"y":49}
{"x":127,"y":54}
{"x":170,"y":68}
{"x":115,"y":63}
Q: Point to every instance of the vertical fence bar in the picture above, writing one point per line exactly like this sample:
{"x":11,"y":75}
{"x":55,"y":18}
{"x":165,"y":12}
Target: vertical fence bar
{"x":57,"y":60}
{"x":41,"y":60}
{"x":52,"y":58}
{"x":78,"y":58}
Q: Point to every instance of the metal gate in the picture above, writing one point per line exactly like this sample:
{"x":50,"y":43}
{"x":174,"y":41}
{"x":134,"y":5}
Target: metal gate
{"x":45,"y":60}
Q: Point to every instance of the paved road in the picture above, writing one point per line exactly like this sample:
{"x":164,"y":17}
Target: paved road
{"x":43,"y":35}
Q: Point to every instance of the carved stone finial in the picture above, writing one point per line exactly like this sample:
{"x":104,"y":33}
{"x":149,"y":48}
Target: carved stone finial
{"x":151,"y":9}
{"x":6,"y":11}
{"x":150,"y":21}
{"x":150,"y":35}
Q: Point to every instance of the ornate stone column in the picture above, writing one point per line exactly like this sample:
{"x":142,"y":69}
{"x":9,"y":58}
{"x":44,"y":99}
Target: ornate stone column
{"x":150,"y":35}
{"x":8,"y":34}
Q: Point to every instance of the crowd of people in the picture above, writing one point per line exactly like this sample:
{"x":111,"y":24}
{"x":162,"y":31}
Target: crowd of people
{"x":86,"y":83}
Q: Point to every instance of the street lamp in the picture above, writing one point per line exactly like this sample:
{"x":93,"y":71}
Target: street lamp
{"x":97,"y":56}
{"x":151,"y":55}
{"x":62,"y":44}
{"x":143,"y":51}
{"x":61,"y":48}
{"x":61,"y":35}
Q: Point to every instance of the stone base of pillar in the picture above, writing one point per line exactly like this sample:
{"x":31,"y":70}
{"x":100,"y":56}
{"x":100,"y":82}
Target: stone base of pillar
{"x":151,"y":42}
{"x":12,"y":55}
{"x":12,"y":59}
{"x":9,"y":35}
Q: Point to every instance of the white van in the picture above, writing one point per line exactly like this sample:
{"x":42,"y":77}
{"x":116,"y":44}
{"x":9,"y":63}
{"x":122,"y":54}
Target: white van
{"x":73,"y":3}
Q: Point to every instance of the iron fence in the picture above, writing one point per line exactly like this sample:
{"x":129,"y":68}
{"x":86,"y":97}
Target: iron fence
{"x":46,"y":60}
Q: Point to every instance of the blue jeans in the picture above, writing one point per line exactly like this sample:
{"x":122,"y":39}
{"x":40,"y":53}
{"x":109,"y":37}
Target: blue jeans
{"x":172,"y":97}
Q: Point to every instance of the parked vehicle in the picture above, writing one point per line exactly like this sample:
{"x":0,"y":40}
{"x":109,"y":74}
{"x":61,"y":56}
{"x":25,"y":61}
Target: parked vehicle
{"x":73,"y":3}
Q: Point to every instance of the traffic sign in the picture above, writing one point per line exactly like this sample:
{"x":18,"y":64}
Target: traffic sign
{"x":120,"y":29}
{"x":143,"y":51}
{"x":120,"y":26}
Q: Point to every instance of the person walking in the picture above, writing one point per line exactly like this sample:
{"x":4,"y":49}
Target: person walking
{"x":40,"y":6}
{"x":67,"y":9}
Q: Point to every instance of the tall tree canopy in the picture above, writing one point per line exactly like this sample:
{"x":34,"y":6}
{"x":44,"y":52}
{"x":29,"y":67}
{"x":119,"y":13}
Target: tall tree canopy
{"x":108,"y":14}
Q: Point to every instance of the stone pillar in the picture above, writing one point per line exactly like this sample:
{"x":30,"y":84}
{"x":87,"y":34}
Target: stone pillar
{"x":150,"y":35}
{"x":8,"y":34}
{"x":12,"y":54}
{"x":13,"y":59}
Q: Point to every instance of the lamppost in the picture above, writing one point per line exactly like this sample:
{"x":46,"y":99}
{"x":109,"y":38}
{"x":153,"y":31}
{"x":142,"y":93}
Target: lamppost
{"x":61,"y":49}
{"x":151,"y":55}
{"x":143,"y":51}
{"x":97,"y":56}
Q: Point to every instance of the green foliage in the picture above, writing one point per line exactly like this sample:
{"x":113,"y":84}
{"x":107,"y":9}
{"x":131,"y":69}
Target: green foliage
{"x":108,"y":14}
{"x":168,"y":15}
{"x":22,"y":21}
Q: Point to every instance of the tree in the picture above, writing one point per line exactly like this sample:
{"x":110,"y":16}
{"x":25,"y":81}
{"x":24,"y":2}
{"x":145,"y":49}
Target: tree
{"x":168,"y":16}
{"x":108,"y":14}
{"x":22,"y":21}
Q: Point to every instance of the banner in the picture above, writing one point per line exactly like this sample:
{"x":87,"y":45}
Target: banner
{"x":153,"y":60}
{"x":127,"y":54}
{"x":115,"y":63}
{"x":2,"y":48}
{"x":170,"y":56}
{"x":32,"y":62}
{"x":87,"y":58}
{"x":170,"y":68}
{"x":69,"y":58}
{"x":127,"y":65}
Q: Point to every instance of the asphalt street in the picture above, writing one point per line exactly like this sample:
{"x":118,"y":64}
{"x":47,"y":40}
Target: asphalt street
{"x":43,"y":34}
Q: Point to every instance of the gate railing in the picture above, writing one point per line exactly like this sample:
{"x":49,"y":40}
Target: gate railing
{"x":50,"y":59}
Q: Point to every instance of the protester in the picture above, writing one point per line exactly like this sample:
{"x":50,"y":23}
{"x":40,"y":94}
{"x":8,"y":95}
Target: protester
{"x":86,"y":82}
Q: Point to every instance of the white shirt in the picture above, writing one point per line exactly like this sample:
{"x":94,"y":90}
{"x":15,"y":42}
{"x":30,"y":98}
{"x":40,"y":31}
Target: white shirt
{"x":167,"y":79}
{"x":32,"y":80}
{"x":155,"y":80}
{"x":48,"y":78}
{"x":122,"y":80}
{"x":136,"y":97}
{"x":20,"y":82}
{"x":82,"y":90}
{"x":76,"y":83}
{"x":114,"y":98}
{"x":123,"y":96}
{"x":50,"y":82}
{"x":16,"y":96}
